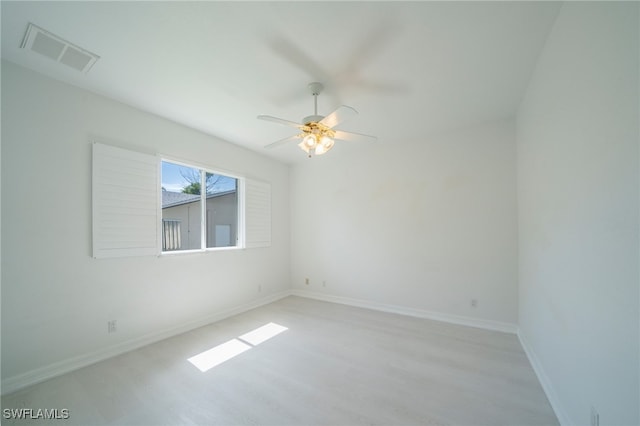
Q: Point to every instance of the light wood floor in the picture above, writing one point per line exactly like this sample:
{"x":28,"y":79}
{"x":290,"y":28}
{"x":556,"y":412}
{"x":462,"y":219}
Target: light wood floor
{"x":335,"y":365}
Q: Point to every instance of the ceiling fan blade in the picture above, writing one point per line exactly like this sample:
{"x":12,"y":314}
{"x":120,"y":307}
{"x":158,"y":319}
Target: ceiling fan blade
{"x":282,"y":142}
{"x":354,"y":137}
{"x":338,"y":116}
{"x":298,"y":57}
{"x":280,"y":121}
{"x":380,"y":87}
{"x":370,"y":46}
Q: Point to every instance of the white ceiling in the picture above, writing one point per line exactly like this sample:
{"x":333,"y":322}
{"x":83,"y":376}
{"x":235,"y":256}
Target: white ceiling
{"x":408,"y":68}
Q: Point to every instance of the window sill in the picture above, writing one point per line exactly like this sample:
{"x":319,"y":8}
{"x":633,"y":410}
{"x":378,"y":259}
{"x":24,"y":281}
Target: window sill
{"x":207,"y":250}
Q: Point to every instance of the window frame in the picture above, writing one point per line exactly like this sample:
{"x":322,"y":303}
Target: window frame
{"x":240,"y":196}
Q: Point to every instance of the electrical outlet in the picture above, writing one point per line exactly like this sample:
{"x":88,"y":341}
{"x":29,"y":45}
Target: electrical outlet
{"x":595,"y":417}
{"x":111,"y":326}
{"x":474,"y":303}
{"x":306,"y":281}
{"x":324,"y":283}
{"x":259,"y":288}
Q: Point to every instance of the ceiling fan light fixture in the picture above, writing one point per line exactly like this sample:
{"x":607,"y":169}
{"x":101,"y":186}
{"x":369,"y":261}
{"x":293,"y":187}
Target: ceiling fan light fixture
{"x":310,"y":140}
{"x":320,"y":149}
{"x":327,"y":142}
{"x":313,"y":144}
{"x":317,"y":131}
{"x":303,"y":146}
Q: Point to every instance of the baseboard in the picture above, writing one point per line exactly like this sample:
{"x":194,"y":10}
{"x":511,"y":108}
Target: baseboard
{"x":41,"y":374}
{"x":544,"y":380}
{"x":504,"y":327}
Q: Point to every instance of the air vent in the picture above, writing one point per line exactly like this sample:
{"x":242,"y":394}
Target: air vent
{"x":43,"y":42}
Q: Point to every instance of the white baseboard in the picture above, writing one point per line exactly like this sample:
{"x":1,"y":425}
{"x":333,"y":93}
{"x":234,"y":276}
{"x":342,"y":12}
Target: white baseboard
{"x":419,"y":313}
{"x":544,"y":380}
{"x":46,"y":372}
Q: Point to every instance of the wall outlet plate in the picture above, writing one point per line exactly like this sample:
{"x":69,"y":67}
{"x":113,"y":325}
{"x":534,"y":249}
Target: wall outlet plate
{"x":595,"y":417}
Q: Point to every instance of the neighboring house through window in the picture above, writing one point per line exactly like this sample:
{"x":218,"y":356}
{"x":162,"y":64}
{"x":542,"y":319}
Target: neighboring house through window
{"x":194,"y":219}
{"x":171,"y":236}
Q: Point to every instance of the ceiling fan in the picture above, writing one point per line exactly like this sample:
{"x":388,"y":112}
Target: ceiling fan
{"x":317,"y":132}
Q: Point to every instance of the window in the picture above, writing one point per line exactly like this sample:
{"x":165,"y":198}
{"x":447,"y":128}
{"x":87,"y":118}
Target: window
{"x":132,"y":216}
{"x":193,"y":218}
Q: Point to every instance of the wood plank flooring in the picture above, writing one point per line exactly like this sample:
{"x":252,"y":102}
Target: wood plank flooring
{"x":334,"y":365}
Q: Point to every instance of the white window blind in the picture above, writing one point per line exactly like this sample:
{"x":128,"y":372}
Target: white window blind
{"x":257,"y":214}
{"x":125,"y":202}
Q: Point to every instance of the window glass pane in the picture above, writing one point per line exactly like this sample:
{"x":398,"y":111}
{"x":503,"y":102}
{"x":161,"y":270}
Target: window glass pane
{"x":181,"y":207}
{"x":222,"y":210}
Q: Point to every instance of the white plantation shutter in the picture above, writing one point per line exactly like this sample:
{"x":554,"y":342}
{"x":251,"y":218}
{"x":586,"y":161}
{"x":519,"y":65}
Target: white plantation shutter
{"x":125,"y":202}
{"x":257,"y":214}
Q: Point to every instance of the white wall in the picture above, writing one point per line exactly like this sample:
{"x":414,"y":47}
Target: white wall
{"x":425,"y":225}
{"x":578,"y":213}
{"x":57,"y":299}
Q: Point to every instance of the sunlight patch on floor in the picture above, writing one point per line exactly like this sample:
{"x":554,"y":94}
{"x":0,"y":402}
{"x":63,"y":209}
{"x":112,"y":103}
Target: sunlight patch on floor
{"x":219,"y":354}
{"x":262,"y":334}
{"x":210,"y":358}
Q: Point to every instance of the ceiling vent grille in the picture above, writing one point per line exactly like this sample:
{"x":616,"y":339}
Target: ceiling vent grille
{"x":47,"y":44}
